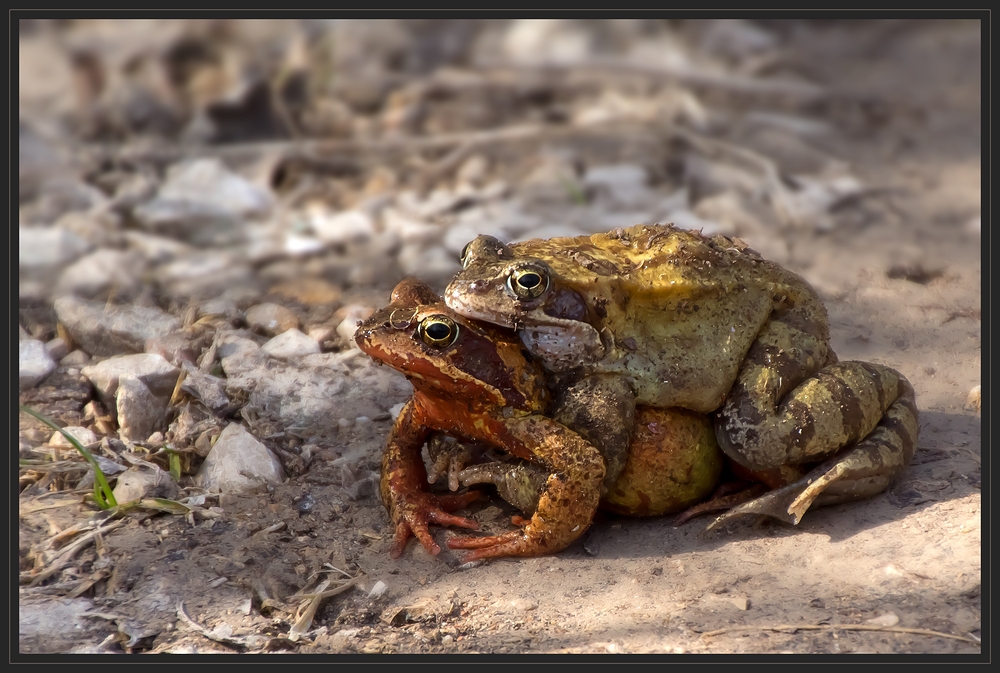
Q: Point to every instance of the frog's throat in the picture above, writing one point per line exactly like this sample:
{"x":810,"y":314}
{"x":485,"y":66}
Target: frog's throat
{"x":563,"y":344}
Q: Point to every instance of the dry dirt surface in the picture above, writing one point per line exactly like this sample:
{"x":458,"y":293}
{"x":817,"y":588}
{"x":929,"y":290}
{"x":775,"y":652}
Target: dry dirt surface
{"x":896,"y":254}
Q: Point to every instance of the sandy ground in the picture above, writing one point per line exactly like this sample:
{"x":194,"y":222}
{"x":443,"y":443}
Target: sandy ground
{"x":901,"y":275}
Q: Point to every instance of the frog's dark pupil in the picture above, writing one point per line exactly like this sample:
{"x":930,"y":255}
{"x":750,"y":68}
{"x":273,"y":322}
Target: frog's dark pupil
{"x":438,"y":331}
{"x":529,"y":280}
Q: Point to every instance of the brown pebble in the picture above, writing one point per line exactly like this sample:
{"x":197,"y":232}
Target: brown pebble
{"x":271,"y":318}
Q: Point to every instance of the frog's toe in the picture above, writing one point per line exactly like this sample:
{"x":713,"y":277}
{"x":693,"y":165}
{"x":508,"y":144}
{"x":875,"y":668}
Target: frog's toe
{"x":416,"y":514}
{"x":404,"y":530}
{"x":723,"y":501}
{"x":774,"y":504}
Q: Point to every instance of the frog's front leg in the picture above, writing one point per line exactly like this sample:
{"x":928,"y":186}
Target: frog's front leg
{"x":448,"y":457}
{"x":520,"y":484}
{"x":601,"y":409}
{"x":411,"y":508}
{"x":567,"y":503}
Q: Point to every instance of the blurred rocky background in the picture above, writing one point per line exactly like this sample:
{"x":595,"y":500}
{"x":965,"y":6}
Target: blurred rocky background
{"x":207,"y":207}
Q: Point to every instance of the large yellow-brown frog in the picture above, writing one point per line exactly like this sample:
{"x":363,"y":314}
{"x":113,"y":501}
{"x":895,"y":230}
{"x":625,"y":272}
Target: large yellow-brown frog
{"x":667,"y":317}
{"x":474,"y":381}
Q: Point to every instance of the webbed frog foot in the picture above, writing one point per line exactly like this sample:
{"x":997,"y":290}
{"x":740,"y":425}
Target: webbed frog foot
{"x":564,"y":512}
{"x":412,"y":513}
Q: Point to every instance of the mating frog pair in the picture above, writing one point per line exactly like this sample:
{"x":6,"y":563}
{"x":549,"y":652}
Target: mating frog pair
{"x":660,"y":318}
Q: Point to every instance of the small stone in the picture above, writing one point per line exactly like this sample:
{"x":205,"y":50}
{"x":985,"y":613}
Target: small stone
{"x":157,"y":249}
{"x":47,"y":247}
{"x":75,"y":359}
{"x":156,"y":374}
{"x":321,"y":333}
{"x":34,"y":363}
{"x":353,"y":314}
{"x":887,"y":619}
{"x":175,"y":347}
{"x":290,"y":344}
{"x":345,"y":227}
{"x":295,"y":246}
{"x":523,"y":605}
{"x":238,"y":462}
{"x":83,"y":435}
{"x":104,"y":330}
{"x":740,"y":601}
{"x":308,"y":291}
{"x":378,"y":590}
{"x":140,"y":412}
{"x":975,"y":398}
{"x":271,"y":318}
{"x":395,"y":409}
{"x":57,"y":348}
{"x":205,"y":274}
{"x":102,"y":271}
{"x":209,"y":390}
{"x":143,"y":481}
{"x":209,"y":183}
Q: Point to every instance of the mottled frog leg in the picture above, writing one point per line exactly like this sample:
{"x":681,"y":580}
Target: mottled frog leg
{"x":860,"y":472}
{"x":567,"y":503}
{"x":601,"y":409}
{"x":411,"y":509}
{"x":520,"y":484}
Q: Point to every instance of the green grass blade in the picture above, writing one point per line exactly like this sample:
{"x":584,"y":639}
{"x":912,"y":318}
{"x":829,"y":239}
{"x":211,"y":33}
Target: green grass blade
{"x":102,"y":491}
{"x":175,"y":465}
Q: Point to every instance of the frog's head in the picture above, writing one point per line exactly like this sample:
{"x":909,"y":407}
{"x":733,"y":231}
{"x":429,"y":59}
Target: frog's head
{"x":445,"y":355}
{"x":506,"y":288}
{"x":525,"y":288}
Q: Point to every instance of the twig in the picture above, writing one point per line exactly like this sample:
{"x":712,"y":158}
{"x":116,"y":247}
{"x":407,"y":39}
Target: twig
{"x":602,"y":67}
{"x":311,"y":601}
{"x":219,"y":635}
{"x":839,"y":627}
{"x":68,"y":553}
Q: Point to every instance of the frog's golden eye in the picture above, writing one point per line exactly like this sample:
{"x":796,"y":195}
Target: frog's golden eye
{"x":438,"y":331}
{"x":527,"y":282}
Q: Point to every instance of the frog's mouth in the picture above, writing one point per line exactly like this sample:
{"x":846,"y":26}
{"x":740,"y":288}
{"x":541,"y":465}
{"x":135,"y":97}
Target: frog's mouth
{"x":456,"y":301}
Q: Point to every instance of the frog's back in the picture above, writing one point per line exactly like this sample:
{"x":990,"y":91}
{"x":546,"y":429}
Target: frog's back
{"x":678,"y":310}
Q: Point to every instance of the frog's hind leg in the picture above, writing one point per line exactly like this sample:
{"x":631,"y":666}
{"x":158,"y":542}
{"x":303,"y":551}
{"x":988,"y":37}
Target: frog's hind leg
{"x":860,"y":472}
{"x":567,"y":502}
{"x":780,"y":413}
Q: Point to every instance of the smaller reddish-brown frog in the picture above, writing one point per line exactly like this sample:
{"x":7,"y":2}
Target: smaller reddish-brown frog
{"x":475,"y":382}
